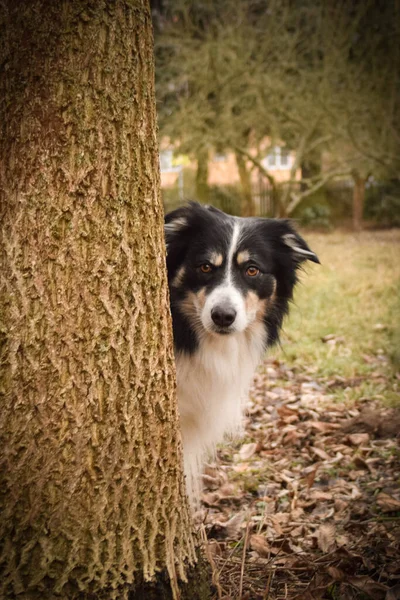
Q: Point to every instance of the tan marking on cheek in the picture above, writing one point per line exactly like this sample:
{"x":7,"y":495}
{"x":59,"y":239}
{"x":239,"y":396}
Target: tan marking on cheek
{"x":177,"y":280}
{"x":216,"y":259}
{"x":272,"y":298}
{"x":201,"y":298}
{"x":251,"y":302}
{"x":243,"y":257}
{"x":269,"y":302}
{"x":255,"y":306}
{"x":262,"y":307}
{"x":193,"y":303}
{"x":188,"y":306}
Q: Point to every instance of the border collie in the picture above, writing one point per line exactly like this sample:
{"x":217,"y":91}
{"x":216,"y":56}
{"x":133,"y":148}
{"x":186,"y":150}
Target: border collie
{"x":230,"y":280}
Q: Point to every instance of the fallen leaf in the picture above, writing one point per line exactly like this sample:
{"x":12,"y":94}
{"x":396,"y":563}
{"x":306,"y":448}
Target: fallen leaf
{"x":229,"y":529}
{"x":379,"y":327}
{"x":387,"y":502}
{"x":393,"y":593}
{"x":323,"y":426}
{"x":311,"y":478}
{"x":326,"y":537}
{"x":321,"y":453}
{"x":332,"y":338}
{"x":260,"y":545}
{"x":376,"y":591}
{"x":358,"y":438}
{"x":360,"y":463}
{"x":276,"y":525}
{"x":318,"y":495}
{"x":247,"y":451}
{"x":335,"y":573}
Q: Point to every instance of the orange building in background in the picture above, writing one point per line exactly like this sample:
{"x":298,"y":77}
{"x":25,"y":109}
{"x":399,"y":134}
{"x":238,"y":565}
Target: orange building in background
{"x":222,"y":168}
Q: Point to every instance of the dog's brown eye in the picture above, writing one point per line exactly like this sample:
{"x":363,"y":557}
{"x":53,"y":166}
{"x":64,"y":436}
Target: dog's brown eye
{"x":206,"y":268}
{"x":252,"y":271}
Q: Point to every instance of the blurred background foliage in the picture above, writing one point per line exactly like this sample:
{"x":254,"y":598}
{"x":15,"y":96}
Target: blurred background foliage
{"x":314,"y":85}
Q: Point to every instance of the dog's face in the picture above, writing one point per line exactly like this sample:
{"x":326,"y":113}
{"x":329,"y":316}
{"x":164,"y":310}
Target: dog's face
{"x":226,"y":273}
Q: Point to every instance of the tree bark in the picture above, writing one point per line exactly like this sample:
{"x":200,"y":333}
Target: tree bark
{"x":92,"y":497}
{"x":358,"y":200}
{"x":247,"y":204}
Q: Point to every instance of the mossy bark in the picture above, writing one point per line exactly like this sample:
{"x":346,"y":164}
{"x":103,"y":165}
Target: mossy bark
{"x":92,"y":495}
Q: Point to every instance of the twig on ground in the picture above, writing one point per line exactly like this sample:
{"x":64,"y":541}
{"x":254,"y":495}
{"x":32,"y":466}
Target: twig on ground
{"x":246,"y":540}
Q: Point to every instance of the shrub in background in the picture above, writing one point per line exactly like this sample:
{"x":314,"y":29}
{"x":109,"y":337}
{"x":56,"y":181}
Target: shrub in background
{"x":382,"y":202}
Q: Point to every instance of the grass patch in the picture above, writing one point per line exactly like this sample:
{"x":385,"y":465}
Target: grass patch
{"x":353,"y":295}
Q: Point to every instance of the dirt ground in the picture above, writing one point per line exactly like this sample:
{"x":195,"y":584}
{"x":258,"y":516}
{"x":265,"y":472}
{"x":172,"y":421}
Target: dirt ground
{"x":306,"y":505}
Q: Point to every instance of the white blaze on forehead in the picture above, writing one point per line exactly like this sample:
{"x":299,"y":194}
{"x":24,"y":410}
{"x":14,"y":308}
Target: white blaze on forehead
{"x":231,"y":251}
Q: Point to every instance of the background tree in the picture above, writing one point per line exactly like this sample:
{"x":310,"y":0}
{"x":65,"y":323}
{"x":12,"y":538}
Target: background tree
{"x":305,"y":76}
{"x":92,"y":493}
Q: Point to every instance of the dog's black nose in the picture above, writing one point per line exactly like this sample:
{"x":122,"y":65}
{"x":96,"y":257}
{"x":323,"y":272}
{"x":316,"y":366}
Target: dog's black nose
{"x":223,"y":316}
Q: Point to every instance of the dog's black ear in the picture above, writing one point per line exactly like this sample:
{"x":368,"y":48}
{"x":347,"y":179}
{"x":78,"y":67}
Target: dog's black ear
{"x":180,"y":222}
{"x":179,"y":233}
{"x":174,"y":224}
{"x":299,"y":248}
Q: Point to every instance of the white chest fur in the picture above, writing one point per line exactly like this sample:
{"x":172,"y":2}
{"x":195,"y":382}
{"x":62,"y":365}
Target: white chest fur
{"x":213,"y":384}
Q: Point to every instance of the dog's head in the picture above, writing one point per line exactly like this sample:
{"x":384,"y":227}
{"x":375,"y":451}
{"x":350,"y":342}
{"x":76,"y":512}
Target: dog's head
{"x":225,"y":273}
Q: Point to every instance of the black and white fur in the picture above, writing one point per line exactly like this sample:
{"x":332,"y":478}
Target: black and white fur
{"x":230,"y":280}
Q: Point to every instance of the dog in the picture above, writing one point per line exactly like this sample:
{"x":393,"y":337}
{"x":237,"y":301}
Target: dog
{"x":230,"y":281}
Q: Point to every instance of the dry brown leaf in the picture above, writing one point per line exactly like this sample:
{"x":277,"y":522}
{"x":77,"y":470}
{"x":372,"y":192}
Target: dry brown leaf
{"x":297,"y":531}
{"x":210,"y":499}
{"x":376,"y":591}
{"x":282,"y":517}
{"x":276,"y":525}
{"x":319,"y":495}
{"x":379,"y":327}
{"x":342,"y":540}
{"x":230,"y":528}
{"x":387,"y":503}
{"x":326,"y":537}
{"x":340,"y":505}
{"x":393,"y":593}
{"x":356,"y":439}
{"x":247,"y":451}
{"x":335,"y":573}
{"x":214,"y":548}
{"x":323,"y":426}
{"x":311,"y":478}
{"x":321,"y":453}
{"x":227,"y":490}
{"x":360,"y":463}
{"x":260,"y":545}
{"x":285,"y":411}
{"x":296,"y":513}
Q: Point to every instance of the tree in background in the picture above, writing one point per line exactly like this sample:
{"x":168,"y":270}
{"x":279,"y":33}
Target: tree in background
{"x":92,"y":493}
{"x":365,"y":115}
{"x":303,"y":75}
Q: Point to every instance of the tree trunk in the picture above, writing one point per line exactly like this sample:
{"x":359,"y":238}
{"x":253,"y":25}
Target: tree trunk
{"x":202,"y":189}
{"x":247,"y":208}
{"x":358,"y":200}
{"x":92,"y":498}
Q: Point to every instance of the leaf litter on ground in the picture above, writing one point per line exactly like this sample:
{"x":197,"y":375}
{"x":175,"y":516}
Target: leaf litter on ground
{"x":306,"y":505}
